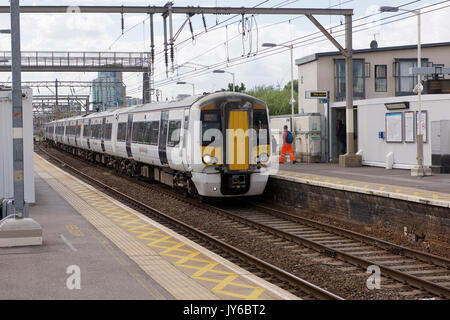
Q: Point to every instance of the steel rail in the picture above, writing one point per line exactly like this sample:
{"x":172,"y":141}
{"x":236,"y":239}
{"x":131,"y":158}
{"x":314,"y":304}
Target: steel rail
{"x":335,"y":253}
{"x":392,"y":247}
{"x":302,"y":284}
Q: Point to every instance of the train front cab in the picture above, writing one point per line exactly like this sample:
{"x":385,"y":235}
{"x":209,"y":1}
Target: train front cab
{"x":234,"y":161}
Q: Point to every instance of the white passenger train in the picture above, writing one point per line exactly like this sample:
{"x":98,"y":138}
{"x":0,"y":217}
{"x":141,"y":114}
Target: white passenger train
{"x":212,"y":145}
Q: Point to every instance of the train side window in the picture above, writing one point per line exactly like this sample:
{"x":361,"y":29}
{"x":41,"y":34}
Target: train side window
{"x":153,"y":133}
{"x":138,"y":132}
{"x":121,"y":131}
{"x":174,"y":133}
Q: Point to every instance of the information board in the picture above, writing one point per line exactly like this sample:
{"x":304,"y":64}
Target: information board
{"x":394,"y":127}
{"x":410,"y":134}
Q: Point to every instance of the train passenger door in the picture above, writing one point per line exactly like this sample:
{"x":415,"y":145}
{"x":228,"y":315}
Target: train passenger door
{"x":103,"y":134}
{"x":129,"y":134}
{"x":237,"y":138}
{"x":162,"y":145}
{"x":184,"y":140}
{"x":89,"y":134}
{"x":76,"y":133}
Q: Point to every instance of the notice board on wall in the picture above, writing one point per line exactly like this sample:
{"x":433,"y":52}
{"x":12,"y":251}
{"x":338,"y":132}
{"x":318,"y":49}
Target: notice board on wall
{"x":394,"y":127}
{"x":409,"y":127}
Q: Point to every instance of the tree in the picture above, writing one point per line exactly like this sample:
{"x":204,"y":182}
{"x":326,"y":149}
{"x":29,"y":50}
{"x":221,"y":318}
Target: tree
{"x":288,"y":86}
{"x":237,"y":88}
{"x":277,"y":101}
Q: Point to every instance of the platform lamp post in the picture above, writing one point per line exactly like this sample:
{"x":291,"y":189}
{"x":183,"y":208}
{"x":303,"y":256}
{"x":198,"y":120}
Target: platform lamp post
{"x":292,"y":102}
{"x":234,"y":78}
{"x":418,"y":170}
{"x":192,"y":84}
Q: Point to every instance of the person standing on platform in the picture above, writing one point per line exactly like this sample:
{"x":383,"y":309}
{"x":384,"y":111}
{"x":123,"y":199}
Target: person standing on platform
{"x":286,"y":149}
{"x":342,"y":135}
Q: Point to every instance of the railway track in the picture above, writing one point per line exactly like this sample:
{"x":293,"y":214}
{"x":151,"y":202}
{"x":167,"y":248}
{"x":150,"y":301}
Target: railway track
{"x":429,"y":274}
{"x":285,"y":279}
{"x":421,"y":270}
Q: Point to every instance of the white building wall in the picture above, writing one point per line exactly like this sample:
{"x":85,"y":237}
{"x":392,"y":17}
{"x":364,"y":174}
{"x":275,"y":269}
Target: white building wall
{"x":6,"y":146}
{"x":371,"y":121}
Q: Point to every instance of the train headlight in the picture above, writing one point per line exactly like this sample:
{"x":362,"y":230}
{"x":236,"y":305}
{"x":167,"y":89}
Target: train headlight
{"x":263,"y":157}
{"x":208,"y":159}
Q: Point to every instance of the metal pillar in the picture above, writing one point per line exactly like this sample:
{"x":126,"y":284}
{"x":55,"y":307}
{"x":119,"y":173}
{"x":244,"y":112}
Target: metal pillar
{"x":146,"y":88}
{"x":349,"y":86}
{"x":19,"y":192}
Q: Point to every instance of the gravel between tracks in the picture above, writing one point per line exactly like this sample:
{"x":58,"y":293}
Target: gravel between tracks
{"x":326,"y":275}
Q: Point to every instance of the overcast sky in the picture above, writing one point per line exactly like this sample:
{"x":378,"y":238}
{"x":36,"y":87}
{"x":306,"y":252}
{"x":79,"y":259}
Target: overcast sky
{"x":98,"y":32}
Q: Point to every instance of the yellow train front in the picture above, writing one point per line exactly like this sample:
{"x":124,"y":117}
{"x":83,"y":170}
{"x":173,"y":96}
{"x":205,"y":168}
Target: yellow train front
{"x":233,"y":138}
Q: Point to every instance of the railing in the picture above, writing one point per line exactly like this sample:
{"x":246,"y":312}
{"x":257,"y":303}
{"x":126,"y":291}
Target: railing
{"x":60,"y":59}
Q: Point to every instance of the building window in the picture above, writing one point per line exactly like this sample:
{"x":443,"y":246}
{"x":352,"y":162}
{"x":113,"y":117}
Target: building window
{"x":381,"y":78}
{"x":405,"y":82}
{"x":359,"y":81}
{"x":367,"y":70}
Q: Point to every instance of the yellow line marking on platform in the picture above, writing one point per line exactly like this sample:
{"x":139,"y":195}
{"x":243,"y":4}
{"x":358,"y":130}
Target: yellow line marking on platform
{"x":187,"y":258}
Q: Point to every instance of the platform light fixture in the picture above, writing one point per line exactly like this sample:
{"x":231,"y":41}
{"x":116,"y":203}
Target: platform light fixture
{"x":223,"y":71}
{"x":291,"y":47}
{"x":192,"y":84}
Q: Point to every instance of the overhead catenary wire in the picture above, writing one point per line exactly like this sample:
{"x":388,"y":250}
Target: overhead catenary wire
{"x":189,"y":75}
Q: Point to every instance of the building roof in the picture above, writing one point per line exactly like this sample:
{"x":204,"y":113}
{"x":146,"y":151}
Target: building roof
{"x":315,"y":56}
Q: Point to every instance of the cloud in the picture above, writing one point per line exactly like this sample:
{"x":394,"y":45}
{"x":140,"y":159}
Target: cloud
{"x":83,"y":32}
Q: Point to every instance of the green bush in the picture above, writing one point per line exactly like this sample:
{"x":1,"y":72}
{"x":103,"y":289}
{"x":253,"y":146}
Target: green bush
{"x":277,"y":101}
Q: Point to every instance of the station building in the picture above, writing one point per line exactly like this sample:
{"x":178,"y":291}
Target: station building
{"x":385,"y":105}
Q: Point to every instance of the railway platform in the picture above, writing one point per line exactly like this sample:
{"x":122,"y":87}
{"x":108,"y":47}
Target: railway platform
{"x":396,"y":184}
{"x":94,"y":247}
{"x":417,"y":208}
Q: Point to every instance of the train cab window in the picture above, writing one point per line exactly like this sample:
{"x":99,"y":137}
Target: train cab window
{"x":210,"y":120}
{"x":122,"y":131}
{"x":152,"y":133}
{"x":108,"y":131}
{"x":261,"y":126}
{"x":174,"y":133}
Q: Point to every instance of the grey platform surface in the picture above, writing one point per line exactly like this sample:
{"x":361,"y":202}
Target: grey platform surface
{"x":395,"y":177}
{"x":40,"y":272}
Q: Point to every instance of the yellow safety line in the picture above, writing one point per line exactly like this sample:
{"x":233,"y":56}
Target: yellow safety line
{"x":373,"y":186}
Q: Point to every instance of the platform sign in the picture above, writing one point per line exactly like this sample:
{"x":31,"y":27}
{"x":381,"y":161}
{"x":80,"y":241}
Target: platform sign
{"x":316,"y":94}
{"x":423,"y":123}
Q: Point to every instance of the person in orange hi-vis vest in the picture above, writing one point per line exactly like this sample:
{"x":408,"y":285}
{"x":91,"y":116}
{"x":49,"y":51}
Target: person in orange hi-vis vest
{"x":286,"y":149}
